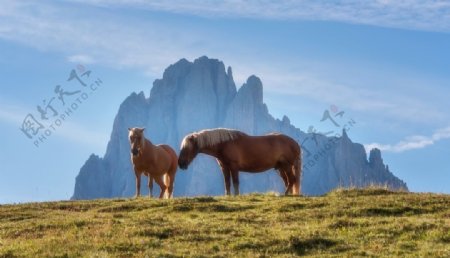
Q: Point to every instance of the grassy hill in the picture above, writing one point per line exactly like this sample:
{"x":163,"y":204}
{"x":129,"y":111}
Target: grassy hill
{"x":354,"y":222}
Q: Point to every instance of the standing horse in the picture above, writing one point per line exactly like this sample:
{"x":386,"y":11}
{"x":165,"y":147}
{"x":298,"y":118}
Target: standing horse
{"x":236,"y":151}
{"x":158,"y":162}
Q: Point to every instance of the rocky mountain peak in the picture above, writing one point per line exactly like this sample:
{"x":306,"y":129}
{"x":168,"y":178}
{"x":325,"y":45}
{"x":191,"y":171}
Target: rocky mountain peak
{"x":230,"y":72}
{"x":253,"y":90}
{"x":286,"y":121}
{"x":375,"y":157}
{"x":344,"y":135}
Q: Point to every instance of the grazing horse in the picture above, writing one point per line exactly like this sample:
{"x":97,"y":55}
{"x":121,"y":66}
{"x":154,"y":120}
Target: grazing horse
{"x":236,"y":151}
{"x":158,"y":162}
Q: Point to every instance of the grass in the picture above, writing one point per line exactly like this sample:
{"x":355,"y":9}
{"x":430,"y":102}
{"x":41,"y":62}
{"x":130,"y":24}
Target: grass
{"x":352,"y":222}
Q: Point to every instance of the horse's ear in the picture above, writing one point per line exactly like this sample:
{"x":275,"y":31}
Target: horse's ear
{"x":142,"y":129}
{"x":129,"y":128}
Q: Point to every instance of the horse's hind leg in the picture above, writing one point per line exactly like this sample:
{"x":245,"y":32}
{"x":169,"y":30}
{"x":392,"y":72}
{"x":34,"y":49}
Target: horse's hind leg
{"x":159,"y":180}
{"x":171,"y":178}
{"x":150,"y":186}
{"x":290,"y":179}
{"x":297,"y":171}
{"x":284,"y":177}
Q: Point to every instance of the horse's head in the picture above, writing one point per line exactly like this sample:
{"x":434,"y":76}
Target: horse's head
{"x":137,"y":139}
{"x":188,"y":151}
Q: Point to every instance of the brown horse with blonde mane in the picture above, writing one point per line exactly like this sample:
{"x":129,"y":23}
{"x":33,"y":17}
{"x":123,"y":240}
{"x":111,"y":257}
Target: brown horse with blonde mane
{"x":158,"y":162}
{"x":236,"y":151}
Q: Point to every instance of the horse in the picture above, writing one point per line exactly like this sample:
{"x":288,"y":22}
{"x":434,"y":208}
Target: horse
{"x":158,"y":162}
{"x":236,"y":151}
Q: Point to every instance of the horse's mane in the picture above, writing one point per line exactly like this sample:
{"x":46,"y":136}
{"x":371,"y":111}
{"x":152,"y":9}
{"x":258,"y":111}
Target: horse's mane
{"x":211,"y":137}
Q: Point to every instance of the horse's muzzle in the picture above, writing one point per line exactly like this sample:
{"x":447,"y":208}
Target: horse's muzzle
{"x":183,"y":165}
{"x":135,"y":152}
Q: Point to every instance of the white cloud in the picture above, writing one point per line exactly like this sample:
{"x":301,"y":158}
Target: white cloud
{"x":85,"y":35}
{"x":11,"y":114}
{"x":441,"y":134}
{"x":80,"y":59}
{"x":405,"y":14}
{"x":100,"y":36}
{"x":413,"y":142}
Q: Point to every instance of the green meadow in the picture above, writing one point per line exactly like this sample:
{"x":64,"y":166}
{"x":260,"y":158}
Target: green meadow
{"x":345,"y":222}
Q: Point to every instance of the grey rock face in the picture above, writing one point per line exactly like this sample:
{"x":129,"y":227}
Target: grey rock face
{"x":197,"y":95}
{"x":95,"y":180}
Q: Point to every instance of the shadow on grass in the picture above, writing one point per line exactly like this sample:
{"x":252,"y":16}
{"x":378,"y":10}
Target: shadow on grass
{"x":204,"y":199}
{"x":73,"y":206}
{"x":122,"y":208}
{"x":305,"y":246}
{"x":368,"y":191}
{"x":292,"y":207}
{"x":339,"y":224}
{"x":393,"y":211}
{"x":249,"y":245}
{"x":17,"y":217}
{"x":162,"y":234}
{"x":224,"y":208}
{"x":9,"y":254}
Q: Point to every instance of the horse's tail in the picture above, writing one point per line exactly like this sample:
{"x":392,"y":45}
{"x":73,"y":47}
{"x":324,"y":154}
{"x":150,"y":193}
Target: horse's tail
{"x":298,"y":173}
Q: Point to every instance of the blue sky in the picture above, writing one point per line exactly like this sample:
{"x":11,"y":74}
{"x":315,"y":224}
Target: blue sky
{"x":385,"y":63}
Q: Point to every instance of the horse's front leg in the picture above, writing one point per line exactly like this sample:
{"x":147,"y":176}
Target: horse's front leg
{"x":150,"y":186}
{"x":235,"y":176}
{"x":138,"y":183}
{"x":226,"y":176}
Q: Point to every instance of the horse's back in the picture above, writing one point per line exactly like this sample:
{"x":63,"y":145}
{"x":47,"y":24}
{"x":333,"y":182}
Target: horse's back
{"x":267,"y":143}
{"x":172,"y":154}
{"x":168,"y":149}
{"x":288,"y":141}
{"x":284,"y":144}
{"x":259,"y":153}
{"x":277,"y":141}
